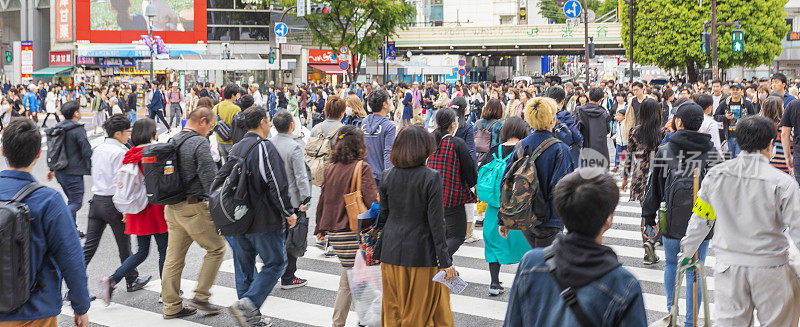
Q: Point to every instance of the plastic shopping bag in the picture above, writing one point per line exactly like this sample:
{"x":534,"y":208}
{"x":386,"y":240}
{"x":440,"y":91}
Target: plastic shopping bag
{"x":366,"y":287}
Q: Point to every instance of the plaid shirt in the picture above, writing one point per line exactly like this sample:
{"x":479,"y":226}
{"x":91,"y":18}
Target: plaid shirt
{"x":445,"y":160}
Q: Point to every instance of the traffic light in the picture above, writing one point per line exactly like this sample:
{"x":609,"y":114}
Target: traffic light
{"x":8,"y":56}
{"x":591,"y":49}
{"x":271,"y":57}
{"x":321,"y":8}
{"x":706,"y":42}
{"x":737,"y":40}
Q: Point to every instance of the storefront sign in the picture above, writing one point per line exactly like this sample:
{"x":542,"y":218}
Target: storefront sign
{"x":84,"y":60}
{"x":117,"y":62}
{"x":63,"y":20}
{"x":60,"y":58}
{"x":321,"y":57}
{"x":26,"y":62}
{"x":793,"y":36}
{"x":291,"y":49}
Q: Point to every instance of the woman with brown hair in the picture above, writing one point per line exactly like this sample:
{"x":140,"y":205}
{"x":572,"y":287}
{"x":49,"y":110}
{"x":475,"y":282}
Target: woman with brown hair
{"x":772,"y":108}
{"x":492,"y":122}
{"x":412,"y":248}
{"x":347,"y":160}
{"x":354,"y":112}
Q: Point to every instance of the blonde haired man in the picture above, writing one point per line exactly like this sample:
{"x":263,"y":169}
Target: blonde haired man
{"x":552,"y":164}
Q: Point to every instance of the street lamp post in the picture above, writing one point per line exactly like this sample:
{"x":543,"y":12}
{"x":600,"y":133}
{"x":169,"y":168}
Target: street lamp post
{"x":150,"y":12}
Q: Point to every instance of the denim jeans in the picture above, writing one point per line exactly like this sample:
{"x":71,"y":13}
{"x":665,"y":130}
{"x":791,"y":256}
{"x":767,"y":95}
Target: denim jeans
{"x":143,"y":242}
{"x":671,"y":248}
{"x":618,"y":153}
{"x":269,"y":246}
{"x":73,"y":188}
{"x":132,"y":116}
{"x":733,"y":147}
{"x":430,"y":113}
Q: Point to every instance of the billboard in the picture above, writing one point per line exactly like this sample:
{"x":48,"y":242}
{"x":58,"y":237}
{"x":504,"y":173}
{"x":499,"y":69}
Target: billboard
{"x":123,"y":21}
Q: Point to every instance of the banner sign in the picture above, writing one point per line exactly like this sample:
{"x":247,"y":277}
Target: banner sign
{"x":26,"y":62}
{"x":60,"y":58}
{"x":63,"y":20}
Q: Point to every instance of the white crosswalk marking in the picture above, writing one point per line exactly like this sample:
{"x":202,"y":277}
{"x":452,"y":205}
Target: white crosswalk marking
{"x":469,"y":307}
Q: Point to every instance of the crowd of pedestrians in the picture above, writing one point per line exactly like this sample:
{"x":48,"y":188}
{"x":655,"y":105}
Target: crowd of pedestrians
{"x":534,"y":166}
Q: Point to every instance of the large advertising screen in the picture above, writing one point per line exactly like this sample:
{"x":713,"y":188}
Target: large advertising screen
{"x":123,"y":21}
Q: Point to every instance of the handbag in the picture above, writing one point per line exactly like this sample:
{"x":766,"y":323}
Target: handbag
{"x":353,"y":202}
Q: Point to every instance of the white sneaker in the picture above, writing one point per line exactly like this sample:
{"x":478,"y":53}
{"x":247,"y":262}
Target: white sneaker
{"x":330,"y":252}
{"x":470,"y":239}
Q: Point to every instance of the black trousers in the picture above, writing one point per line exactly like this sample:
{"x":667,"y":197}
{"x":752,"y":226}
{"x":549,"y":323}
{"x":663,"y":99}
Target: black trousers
{"x":102,"y":213}
{"x":160,"y":115}
{"x":291,"y":268}
{"x":44,"y":121}
{"x":455,"y":220}
{"x":541,"y":236}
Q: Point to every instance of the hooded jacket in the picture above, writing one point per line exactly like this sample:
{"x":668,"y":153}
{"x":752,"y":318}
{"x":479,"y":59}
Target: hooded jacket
{"x":567,"y":131}
{"x":686,"y":146}
{"x":379,"y":133}
{"x":79,"y":151}
{"x":594,"y":123}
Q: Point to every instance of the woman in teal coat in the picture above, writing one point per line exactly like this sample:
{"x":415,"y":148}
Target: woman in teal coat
{"x":497,"y":249}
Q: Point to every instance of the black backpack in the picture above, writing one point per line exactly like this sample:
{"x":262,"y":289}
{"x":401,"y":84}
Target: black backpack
{"x":237,"y":127}
{"x":57,"y":157}
{"x":679,"y":191}
{"x":229,"y":200}
{"x":16,"y":280}
{"x":222,"y":129}
{"x":162,"y":176}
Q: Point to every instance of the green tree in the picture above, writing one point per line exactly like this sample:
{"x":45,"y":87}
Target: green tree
{"x":667,"y":33}
{"x":361,"y":25}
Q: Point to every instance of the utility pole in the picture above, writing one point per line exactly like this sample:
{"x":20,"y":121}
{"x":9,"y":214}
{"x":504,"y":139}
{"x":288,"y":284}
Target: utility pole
{"x":586,"y":36}
{"x":713,"y":25}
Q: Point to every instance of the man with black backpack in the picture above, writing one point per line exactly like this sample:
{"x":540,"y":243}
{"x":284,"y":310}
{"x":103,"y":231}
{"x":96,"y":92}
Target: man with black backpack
{"x":189,"y":220}
{"x":31,"y":282}
{"x":686,"y":157}
{"x":75,"y":148}
{"x":260,"y":229}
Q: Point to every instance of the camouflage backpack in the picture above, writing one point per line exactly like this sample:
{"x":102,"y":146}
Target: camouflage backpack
{"x":522,"y":203}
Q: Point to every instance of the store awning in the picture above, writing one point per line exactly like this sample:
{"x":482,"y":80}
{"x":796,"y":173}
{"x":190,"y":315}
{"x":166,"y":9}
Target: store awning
{"x":52,"y":71}
{"x":329,"y":69}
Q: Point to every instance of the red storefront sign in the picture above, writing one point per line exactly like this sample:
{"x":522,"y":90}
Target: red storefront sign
{"x":60,"y":58}
{"x":321,"y":57}
{"x":63,"y":20}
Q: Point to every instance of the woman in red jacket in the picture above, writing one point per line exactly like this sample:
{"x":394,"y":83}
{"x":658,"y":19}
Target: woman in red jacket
{"x":149,"y":222}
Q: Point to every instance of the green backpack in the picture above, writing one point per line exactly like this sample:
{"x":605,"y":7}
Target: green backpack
{"x":490,"y":178}
{"x":522,"y":204}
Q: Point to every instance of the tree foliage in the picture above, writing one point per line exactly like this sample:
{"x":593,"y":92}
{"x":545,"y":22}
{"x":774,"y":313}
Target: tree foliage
{"x":667,"y":33}
{"x":360,"y":25}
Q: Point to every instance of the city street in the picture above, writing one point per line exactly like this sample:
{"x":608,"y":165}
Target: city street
{"x":312,"y":305}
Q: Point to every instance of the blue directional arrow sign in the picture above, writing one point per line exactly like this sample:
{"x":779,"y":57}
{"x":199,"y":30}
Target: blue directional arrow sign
{"x":572,"y":9}
{"x":281,"y":29}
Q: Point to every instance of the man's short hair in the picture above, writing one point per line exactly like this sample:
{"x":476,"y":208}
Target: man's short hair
{"x":596,"y":94}
{"x":21,"y":142}
{"x":376,"y":99}
{"x":637,"y":84}
{"x":704,"y":101}
{"x":230,"y":91}
{"x":755,"y":133}
{"x":199,"y":113}
{"x":716,"y":81}
{"x":584,"y":203}
{"x":116,"y":123}
{"x":779,"y":76}
{"x":540,"y":112}
{"x":246,"y":101}
{"x":556,"y":93}
{"x":282,"y":121}
{"x":69,"y":109}
{"x":253,"y":117}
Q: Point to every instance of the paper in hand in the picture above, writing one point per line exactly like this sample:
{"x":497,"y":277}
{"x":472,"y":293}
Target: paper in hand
{"x":456,"y":284}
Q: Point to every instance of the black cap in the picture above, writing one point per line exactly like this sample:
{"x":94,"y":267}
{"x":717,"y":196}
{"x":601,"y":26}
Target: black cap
{"x":737,"y":86}
{"x":458,"y":103}
{"x":691,"y":115}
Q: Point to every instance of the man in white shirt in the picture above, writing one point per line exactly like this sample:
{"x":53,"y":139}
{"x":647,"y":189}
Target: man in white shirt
{"x":106,"y":161}
{"x":258,"y":100}
{"x":710,"y":126}
{"x":716,"y":93}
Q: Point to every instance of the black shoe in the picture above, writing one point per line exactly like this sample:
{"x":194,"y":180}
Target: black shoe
{"x":650,"y":257}
{"x":205,"y":306}
{"x":81,"y":234}
{"x":479,"y":223}
{"x":139,"y":283}
{"x":294,"y":283}
{"x":185,"y":312}
{"x":496,"y":289}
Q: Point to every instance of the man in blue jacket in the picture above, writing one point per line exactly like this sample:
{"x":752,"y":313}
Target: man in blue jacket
{"x":566,"y":130}
{"x":31,"y":102}
{"x":55,"y":249}
{"x":578,"y":267}
{"x":156,"y":105}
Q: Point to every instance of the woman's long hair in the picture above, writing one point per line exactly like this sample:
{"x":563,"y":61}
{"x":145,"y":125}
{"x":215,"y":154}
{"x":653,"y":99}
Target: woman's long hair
{"x":444,"y":118}
{"x":649,"y":127}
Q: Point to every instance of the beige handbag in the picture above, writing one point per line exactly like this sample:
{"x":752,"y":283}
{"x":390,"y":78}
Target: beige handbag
{"x":353,"y":202}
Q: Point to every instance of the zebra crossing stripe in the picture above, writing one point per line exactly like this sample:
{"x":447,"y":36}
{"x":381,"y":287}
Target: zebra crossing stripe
{"x":115,"y":314}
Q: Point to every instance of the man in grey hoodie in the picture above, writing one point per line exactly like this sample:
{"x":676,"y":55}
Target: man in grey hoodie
{"x":379,"y":133}
{"x":291,"y":151}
